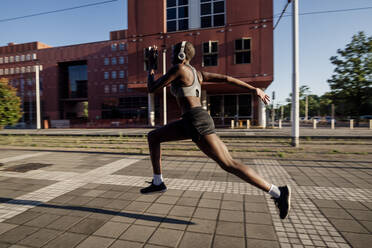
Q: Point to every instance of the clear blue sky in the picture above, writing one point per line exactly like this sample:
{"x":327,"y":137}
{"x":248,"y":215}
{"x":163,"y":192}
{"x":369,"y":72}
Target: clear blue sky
{"x":320,"y":35}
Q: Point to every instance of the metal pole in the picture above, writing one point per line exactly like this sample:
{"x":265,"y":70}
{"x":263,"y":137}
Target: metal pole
{"x":306,"y":108}
{"x":295,"y":82}
{"x":165,"y":88}
{"x":37,"y":82}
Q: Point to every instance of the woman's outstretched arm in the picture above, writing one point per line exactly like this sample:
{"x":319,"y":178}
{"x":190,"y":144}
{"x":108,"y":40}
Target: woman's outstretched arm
{"x":214,"y":77}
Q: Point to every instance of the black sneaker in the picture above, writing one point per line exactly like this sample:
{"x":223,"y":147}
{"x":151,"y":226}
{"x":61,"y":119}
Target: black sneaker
{"x":154,"y":188}
{"x":284,"y":201}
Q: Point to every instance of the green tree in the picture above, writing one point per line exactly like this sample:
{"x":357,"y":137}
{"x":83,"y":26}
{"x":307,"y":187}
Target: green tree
{"x":10,"y":104}
{"x":351,"y":82}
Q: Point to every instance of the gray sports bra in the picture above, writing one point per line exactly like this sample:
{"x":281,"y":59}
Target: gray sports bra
{"x":192,"y":90}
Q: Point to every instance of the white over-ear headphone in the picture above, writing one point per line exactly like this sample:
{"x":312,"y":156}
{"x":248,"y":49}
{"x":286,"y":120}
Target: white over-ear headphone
{"x":181,"y":54}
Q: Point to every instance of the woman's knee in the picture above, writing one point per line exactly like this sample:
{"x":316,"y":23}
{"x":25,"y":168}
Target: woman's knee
{"x":151,"y":136}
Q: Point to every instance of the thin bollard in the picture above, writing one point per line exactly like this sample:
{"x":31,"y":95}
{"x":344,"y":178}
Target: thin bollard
{"x":248,"y":124}
{"x":370,"y":124}
{"x":333,"y":124}
{"x":314,"y":124}
{"x":232,"y":124}
{"x":280,"y":123}
{"x":351,"y":124}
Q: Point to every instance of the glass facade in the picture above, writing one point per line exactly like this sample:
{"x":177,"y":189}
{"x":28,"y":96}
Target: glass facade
{"x":177,"y":15}
{"x":77,"y":81}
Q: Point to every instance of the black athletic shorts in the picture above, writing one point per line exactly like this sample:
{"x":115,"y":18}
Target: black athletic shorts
{"x":197,"y":123}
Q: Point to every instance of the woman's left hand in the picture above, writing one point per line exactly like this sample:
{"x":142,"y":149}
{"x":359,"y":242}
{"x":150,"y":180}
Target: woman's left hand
{"x":261,"y":94}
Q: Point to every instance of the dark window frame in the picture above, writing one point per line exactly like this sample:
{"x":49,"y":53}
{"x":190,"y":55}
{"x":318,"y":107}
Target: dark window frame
{"x":243,"y":50}
{"x":210,"y":53}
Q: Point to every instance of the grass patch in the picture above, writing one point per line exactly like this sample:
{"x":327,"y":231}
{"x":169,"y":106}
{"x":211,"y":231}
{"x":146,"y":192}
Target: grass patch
{"x":281,"y":154}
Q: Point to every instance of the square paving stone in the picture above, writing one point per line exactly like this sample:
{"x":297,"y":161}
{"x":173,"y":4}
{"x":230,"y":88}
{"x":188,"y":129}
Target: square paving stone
{"x":96,"y":242}
{"x":148,"y":198}
{"x":226,"y":241}
{"x":336,"y":213}
{"x":206,"y":213}
{"x":99,"y":202}
{"x":188,"y":201}
{"x":40,"y":238}
{"x":4,"y":227}
{"x":118,"y":204}
{"x":111,"y":194}
{"x":158,"y":208}
{"x":256,"y":207}
{"x":138,"y":233}
{"x":203,"y":226}
{"x":361,"y":215}
{"x":256,"y":231}
{"x":348,"y":226}
{"x":232,"y":205}
{"x":182,"y":211}
{"x":5,"y":245}
{"x":129,"y":196}
{"x":229,"y":215}
{"x":94,"y":193}
{"x":175,"y":222}
{"x":139,"y":207}
{"x":42,"y":220}
{"x":126,"y":216}
{"x":212,"y":195}
{"x":167,"y":199}
{"x":64,"y":222}
{"x":209,"y":203}
{"x":192,"y":194}
{"x":230,"y":228}
{"x":150,"y":219}
{"x":368,"y":225}
{"x":166,"y":237}
{"x":254,"y":199}
{"x":66,"y":240}
{"x":87,"y":226}
{"x":352,"y":205}
{"x":194,"y":240}
{"x":126,"y":244}
{"x":23,"y":217}
{"x":358,"y":240}
{"x":258,"y":218}
{"x":16,"y":234}
{"x":233,"y":197}
{"x":263,"y":243}
{"x":112,"y":229}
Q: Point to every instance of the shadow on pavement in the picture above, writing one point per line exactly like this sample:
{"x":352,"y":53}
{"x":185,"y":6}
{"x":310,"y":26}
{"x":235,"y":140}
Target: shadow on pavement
{"x":97,"y":210}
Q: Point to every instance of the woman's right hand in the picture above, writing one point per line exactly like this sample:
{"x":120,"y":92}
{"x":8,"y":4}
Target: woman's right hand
{"x":261,"y":94}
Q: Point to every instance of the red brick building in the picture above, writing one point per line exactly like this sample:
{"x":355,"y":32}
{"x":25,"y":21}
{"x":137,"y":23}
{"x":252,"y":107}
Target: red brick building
{"x":108,"y":79}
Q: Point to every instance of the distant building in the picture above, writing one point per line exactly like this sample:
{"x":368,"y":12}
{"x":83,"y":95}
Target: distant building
{"x":104,"y":83}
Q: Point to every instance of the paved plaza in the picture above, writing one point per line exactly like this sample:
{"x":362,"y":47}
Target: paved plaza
{"x":88,"y":200}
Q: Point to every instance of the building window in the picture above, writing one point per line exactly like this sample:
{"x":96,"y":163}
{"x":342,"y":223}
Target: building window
{"x":113,"y":74}
{"x":17,"y":58}
{"x":6,"y":60}
{"x":106,"y":75}
{"x":23,"y":69}
{"x":114,"y":89}
{"x":212,"y":13}
{"x":121,"y":46}
{"x":121,"y":60}
{"x":243,"y":51}
{"x":11,"y":59}
{"x":106,"y":61}
{"x":1,"y":60}
{"x":1,"y":72}
{"x":107,"y":89}
{"x":34,"y":57}
{"x":29,"y":81}
{"x":11,"y":70}
{"x":121,"y":88}
{"x":6,"y":71}
{"x":113,"y":61}
{"x":28,"y":57}
{"x":121,"y":74}
{"x":28,"y":69}
{"x":114,"y":47}
{"x":17,"y":70}
{"x":210,"y":53}
{"x":22,"y":57}
{"x":177,"y":15}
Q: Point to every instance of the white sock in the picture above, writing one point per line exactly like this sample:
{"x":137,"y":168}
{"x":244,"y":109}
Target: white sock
{"x":158,"y":179}
{"x":274,"y":191}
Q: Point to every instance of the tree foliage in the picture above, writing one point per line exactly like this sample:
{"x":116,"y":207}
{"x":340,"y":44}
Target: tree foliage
{"x":10,"y":104}
{"x":351,"y":83}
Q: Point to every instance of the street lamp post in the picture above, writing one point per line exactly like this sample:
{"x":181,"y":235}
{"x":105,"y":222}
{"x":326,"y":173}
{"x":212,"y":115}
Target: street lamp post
{"x":295,"y":79}
{"x":37,"y":82}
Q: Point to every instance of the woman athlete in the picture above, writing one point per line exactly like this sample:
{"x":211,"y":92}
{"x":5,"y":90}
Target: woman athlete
{"x":197,"y":124}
